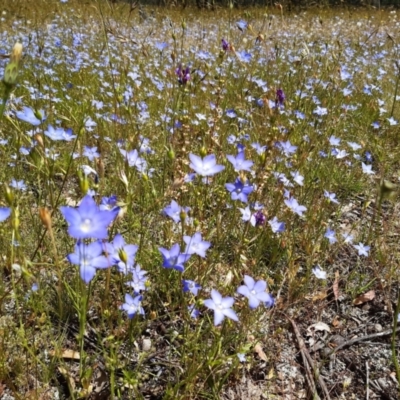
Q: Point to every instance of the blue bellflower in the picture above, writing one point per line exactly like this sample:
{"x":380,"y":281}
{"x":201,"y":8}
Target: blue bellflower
{"x":29,"y":116}
{"x":255,"y":292}
{"x":5,"y":212}
{"x":89,"y":258}
{"x":239,"y":163}
{"x":221,"y":306}
{"x":132,"y":306}
{"x":196,"y":245}
{"x":206,"y":166}
{"x":174,"y":258}
{"x":87,"y":221}
{"x":239,"y":190}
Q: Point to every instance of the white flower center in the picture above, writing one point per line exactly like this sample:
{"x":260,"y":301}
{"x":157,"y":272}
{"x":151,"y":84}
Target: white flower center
{"x":86,"y":225}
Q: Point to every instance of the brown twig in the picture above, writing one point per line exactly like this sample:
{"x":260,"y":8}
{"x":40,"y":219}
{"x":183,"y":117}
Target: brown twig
{"x":362,"y":339}
{"x":308,"y":361}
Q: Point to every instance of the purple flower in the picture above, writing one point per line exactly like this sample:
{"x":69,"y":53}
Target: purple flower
{"x":196,"y":245}
{"x":191,"y":286}
{"x":132,"y":306}
{"x":276,"y":226}
{"x":239,"y":163}
{"x":221,"y":306}
{"x":175,"y":211}
{"x":206,"y":166}
{"x":280,"y":97}
{"x":293,"y":204}
{"x":255,"y":292}
{"x":89,"y":258}
{"x":225,"y":45}
{"x":87,"y":221}
{"x":5,"y":212}
{"x":174,"y":258}
{"x":259,"y":218}
{"x":239,"y":190}
{"x":183,"y":74}
{"x":28,"y":115}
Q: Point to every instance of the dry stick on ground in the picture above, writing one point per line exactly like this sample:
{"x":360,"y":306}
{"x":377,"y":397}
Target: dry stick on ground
{"x":308,"y":361}
{"x":363,"y":338}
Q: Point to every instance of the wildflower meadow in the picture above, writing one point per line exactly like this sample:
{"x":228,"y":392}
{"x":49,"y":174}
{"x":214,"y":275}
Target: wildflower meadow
{"x":198,"y":204}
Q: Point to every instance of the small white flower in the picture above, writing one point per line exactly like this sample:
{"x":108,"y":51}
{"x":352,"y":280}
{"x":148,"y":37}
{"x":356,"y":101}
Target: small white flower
{"x":318,"y":272}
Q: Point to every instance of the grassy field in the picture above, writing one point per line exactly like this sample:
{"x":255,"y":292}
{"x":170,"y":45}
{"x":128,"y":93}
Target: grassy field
{"x":198,"y":204}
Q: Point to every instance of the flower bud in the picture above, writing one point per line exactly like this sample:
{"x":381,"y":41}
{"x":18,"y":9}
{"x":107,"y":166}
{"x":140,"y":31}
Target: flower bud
{"x":182,"y":215}
{"x":171,"y":154}
{"x":9,"y":195}
{"x":123,"y":256}
{"x":45,"y":217}
{"x":83,"y":182}
{"x":203,"y":152}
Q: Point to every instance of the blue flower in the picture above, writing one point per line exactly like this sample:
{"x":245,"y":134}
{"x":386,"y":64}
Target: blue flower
{"x":319,"y":273}
{"x":28,"y":115}
{"x":293,"y":204}
{"x":174,"y":258}
{"x":276,"y":226}
{"x":362,"y":249}
{"x":206,"y":166}
{"x":122,"y":253}
{"x":242,"y":25}
{"x":132,"y":306}
{"x":221,"y":306}
{"x":18,"y":185}
{"x":239,"y":163}
{"x":191,"y":286}
{"x":91,"y":152}
{"x":5,"y":212}
{"x":244,"y":56}
{"x":108,"y":203}
{"x":239,"y":190}
{"x":89,"y":258}
{"x":175,"y":211}
{"x":139,"y":279}
{"x":87,"y":221}
{"x":331,"y":197}
{"x":196,"y":245}
{"x":133,"y":159}
{"x":330,"y":235}
{"x":287,"y":148}
{"x":255,"y":292}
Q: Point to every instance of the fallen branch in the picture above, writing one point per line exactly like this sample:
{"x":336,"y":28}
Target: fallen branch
{"x":362,"y":339}
{"x":308,"y":362}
